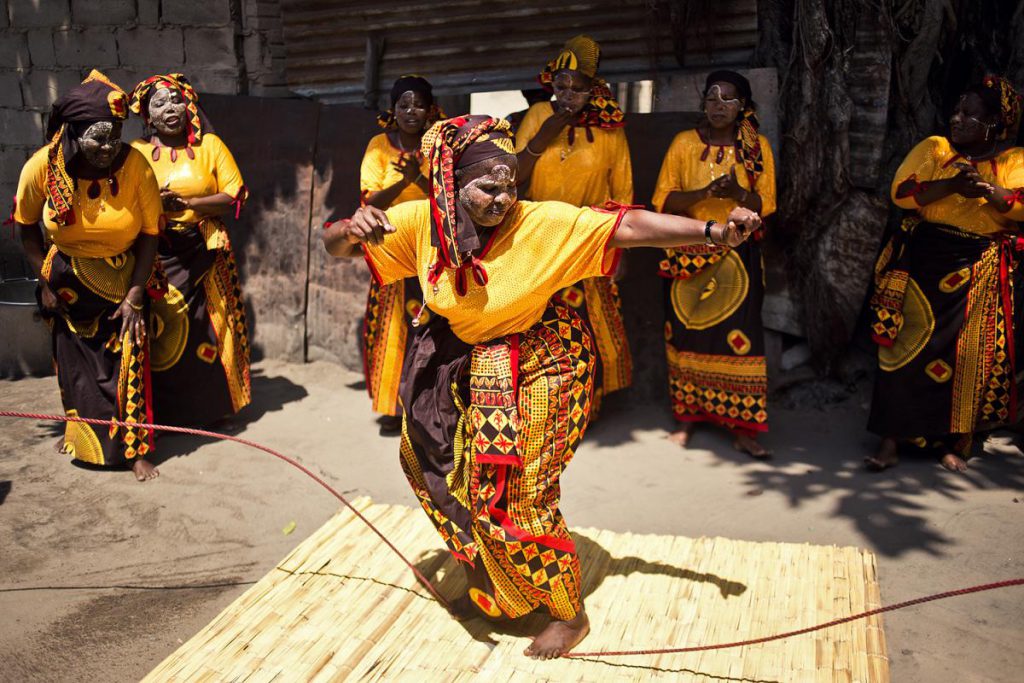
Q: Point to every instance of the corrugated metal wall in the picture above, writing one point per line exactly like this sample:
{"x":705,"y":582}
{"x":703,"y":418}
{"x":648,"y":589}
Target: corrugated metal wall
{"x":472,"y":46}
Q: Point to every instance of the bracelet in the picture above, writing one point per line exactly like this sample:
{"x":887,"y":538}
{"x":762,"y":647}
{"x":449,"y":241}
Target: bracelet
{"x":530,"y":151}
{"x":418,"y":176}
{"x":135,"y":307}
{"x":707,"y":233}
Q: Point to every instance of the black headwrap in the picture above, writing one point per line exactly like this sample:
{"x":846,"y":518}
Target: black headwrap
{"x":96,"y":99}
{"x":418,"y":85}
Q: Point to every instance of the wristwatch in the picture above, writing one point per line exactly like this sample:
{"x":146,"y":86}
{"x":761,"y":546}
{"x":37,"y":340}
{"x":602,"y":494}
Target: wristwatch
{"x":707,"y":233}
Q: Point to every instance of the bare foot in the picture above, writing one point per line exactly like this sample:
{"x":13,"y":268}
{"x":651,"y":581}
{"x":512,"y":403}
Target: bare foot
{"x":59,"y":446}
{"x":885,"y":457}
{"x":954,"y":463}
{"x":750,"y":446}
{"x":681,"y":436}
{"x":559,"y":637}
{"x":144,"y":471}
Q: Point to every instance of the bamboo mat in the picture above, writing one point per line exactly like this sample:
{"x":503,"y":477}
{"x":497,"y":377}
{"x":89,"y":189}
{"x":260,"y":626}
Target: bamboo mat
{"x":341,"y":606}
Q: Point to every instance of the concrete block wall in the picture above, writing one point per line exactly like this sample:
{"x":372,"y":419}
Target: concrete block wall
{"x":225,"y":47}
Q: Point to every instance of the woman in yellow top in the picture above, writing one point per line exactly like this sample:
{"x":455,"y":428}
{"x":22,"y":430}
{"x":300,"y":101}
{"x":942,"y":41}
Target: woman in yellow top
{"x":394,"y":171}
{"x":199,"y":338}
{"x":497,"y":386}
{"x":100,"y":207}
{"x":713,"y":334}
{"x":943,"y":306}
{"x":574,"y":150}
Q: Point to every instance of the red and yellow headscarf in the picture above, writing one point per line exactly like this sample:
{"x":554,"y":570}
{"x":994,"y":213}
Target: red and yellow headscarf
{"x":1010,"y":105}
{"x":583,"y":54}
{"x":173,"y":81}
{"x":450,"y":145}
{"x":96,"y":99}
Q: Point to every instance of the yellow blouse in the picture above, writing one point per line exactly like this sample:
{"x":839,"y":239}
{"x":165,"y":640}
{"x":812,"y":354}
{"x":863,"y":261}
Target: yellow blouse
{"x":376,"y":172}
{"x":540,"y":248}
{"x":584,"y":174}
{"x":683,"y":170}
{"x":933,"y":159}
{"x":102,"y":227}
{"x":212,"y":170}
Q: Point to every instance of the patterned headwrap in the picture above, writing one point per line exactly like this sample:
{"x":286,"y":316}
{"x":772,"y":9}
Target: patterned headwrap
{"x":196,"y":122}
{"x":1010,"y":105}
{"x":748,"y":143}
{"x":450,"y":145}
{"x":416,"y":84}
{"x":96,"y":99}
{"x":583,"y":54}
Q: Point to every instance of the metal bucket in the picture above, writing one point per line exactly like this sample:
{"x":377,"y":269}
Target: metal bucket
{"x":25,"y":346}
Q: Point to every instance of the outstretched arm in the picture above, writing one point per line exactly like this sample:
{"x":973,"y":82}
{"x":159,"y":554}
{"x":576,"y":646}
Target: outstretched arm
{"x":648,"y":229}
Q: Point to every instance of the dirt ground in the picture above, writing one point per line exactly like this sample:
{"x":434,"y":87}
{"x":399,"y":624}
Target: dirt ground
{"x":103,"y":577}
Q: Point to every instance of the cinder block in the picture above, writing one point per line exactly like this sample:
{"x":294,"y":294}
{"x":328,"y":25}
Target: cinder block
{"x":210,"y":48}
{"x":257,"y":58}
{"x":29,"y":13}
{"x":10,"y":89}
{"x":20,"y":127}
{"x":90,"y":48}
{"x":196,"y":12}
{"x":40,"y":47}
{"x":219,"y":82}
{"x":11,"y":161}
{"x":41,"y":88}
{"x":4,"y":19}
{"x":143,"y":45}
{"x":14,"y":50}
{"x":102,"y":12}
{"x":149,"y":12}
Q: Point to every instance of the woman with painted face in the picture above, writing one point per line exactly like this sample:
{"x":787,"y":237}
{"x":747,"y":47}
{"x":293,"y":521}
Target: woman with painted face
{"x":497,"y":386}
{"x":943,"y":305}
{"x":199,"y":338}
{"x":99,"y":204}
{"x":574,"y":150}
{"x":713,"y":293}
{"x":394,"y":171}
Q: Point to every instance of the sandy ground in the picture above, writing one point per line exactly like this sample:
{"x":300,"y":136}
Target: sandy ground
{"x":81,"y":550}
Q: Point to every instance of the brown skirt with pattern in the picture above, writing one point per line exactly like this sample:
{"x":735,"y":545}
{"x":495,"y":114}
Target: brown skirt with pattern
{"x":714,"y":338}
{"x":198,"y":332}
{"x":942,"y":315}
{"x":488,"y":430}
{"x":101,"y":375}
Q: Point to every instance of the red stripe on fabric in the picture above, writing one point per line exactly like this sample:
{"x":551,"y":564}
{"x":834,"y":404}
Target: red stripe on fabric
{"x":369,"y":263}
{"x":148,"y":376}
{"x":1007,"y":296}
{"x":883,"y":341}
{"x":565,"y":545}
{"x":728,"y":421}
{"x":514,"y":360}
{"x":513,"y":460}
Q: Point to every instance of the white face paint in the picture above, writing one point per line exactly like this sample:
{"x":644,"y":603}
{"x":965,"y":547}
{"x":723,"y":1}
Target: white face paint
{"x":167,"y":111}
{"x":722,"y":104}
{"x":489,"y":192}
{"x":100,"y":143}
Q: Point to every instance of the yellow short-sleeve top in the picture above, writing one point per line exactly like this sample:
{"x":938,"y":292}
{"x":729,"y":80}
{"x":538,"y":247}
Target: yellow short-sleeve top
{"x":209,"y":170}
{"x":377,"y":173}
{"x":934,"y":159}
{"x":102,"y":227}
{"x":582,"y":174}
{"x":684,"y":170}
{"x":540,"y":248}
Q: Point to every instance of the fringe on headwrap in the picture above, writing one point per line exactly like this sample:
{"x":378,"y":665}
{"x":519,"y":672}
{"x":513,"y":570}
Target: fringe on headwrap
{"x":1010,"y":105}
{"x":445,"y":145}
{"x":172,"y":81}
{"x":602,"y":110}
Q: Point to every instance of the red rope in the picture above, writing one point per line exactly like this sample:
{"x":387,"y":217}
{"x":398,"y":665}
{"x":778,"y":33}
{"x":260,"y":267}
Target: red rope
{"x":809,"y":629}
{"x":433,"y":591}
{"x":227,"y":437}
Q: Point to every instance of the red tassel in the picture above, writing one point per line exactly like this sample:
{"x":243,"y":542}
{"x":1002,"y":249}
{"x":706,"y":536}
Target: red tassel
{"x":572,"y":135}
{"x":94,"y":190}
{"x":115,"y":187}
{"x":174,"y":155}
{"x":190,"y":153}
{"x":239,"y":201}
{"x":434,"y":274}
{"x":156,"y":153}
{"x":590,"y":134}
{"x":721,"y":155}
{"x":704,"y":154}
